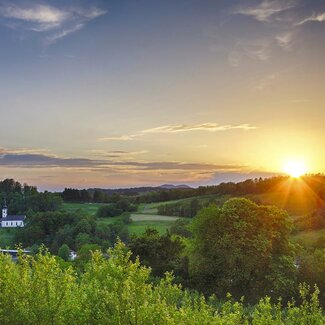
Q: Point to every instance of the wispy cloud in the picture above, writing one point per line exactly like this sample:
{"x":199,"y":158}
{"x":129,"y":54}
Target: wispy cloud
{"x":119,"y":138}
{"x":265,"y":10}
{"x":211,"y":127}
{"x":54,"y":37}
{"x":45,"y":161}
{"x":285,"y":40}
{"x":177,"y":128}
{"x":259,"y":50}
{"x":54,"y":21}
{"x":120,"y":154}
{"x":313,"y":18}
{"x":266,"y":81}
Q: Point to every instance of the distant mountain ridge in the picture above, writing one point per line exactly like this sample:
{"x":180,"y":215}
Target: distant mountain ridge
{"x":143,"y":189}
{"x":172,"y":186}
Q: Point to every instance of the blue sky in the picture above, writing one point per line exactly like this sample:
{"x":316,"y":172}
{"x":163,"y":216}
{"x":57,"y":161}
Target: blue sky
{"x":126,"y":93}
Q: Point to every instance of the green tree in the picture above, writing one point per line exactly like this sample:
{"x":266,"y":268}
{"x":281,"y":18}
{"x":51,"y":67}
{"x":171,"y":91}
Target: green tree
{"x":108,"y":211}
{"x":311,"y":266}
{"x":116,"y":290}
{"x":160,"y":252}
{"x":82,"y":239}
{"x":64,"y":252}
{"x":83,"y":226}
{"x":181,"y":228}
{"x":242,"y":248}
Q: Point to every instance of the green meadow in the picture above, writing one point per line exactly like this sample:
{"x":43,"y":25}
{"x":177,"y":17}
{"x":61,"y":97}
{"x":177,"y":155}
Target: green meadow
{"x":144,"y":218}
{"x":88,"y":208}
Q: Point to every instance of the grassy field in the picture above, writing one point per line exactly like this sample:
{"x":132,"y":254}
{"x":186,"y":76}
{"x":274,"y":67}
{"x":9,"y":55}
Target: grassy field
{"x":295,"y":204}
{"x":309,"y":238}
{"x":143,"y":219}
{"x":89,"y":208}
{"x":140,"y":222}
{"x":151,"y":217}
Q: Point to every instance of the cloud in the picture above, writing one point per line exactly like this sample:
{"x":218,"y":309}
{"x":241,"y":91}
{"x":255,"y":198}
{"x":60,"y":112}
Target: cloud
{"x":259,"y":50}
{"x":120,"y":154}
{"x":285,"y":40}
{"x":53,"y":38}
{"x":43,"y":161}
{"x":177,"y":128}
{"x":265,"y":10}
{"x":313,"y":18}
{"x":55,"y":22}
{"x":211,"y":127}
{"x":42,"y":15}
{"x":118,"y":138}
{"x":266,"y":81}
{"x":27,"y":160}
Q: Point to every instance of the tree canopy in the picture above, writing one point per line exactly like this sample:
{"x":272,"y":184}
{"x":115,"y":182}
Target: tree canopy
{"x":116,"y":290}
{"x":242,"y":248}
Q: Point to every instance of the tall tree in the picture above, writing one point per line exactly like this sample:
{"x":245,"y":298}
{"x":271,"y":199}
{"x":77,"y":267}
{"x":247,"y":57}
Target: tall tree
{"x":242,"y":248}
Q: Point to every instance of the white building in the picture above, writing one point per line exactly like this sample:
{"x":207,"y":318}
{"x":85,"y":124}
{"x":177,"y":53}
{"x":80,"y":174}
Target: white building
{"x":8,"y":221}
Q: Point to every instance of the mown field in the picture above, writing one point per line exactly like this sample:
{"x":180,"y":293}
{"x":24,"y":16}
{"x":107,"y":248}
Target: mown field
{"x":141,"y":220}
{"x":89,"y":208}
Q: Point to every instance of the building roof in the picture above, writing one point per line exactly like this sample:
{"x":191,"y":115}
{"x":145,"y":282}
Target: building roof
{"x":13,"y":218}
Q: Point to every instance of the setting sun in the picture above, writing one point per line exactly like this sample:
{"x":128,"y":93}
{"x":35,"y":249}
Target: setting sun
{"x":295,"y":168}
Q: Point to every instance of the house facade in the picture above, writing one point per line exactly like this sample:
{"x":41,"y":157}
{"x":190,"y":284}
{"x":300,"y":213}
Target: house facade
{"x":11,"y":221}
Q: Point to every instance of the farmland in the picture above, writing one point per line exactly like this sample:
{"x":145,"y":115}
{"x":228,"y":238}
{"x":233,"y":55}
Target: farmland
{"x":141,"y":220}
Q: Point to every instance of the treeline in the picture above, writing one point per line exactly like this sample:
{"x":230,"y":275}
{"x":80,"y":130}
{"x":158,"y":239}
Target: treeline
{"x":25,"y":199}
{"x":187,"y":209}
{"x":54,"y":229}
{"x":159,"y":195}
{"x":251,"y":186}
{"x":87,"y":196}
{"x":115,"y":209}
{"x":115,"y":290}
{"x":313,"y":221}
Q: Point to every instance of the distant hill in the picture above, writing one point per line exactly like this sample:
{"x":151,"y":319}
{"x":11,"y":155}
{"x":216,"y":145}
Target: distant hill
{"x":171,"y":186}
{"x":140,"y":190}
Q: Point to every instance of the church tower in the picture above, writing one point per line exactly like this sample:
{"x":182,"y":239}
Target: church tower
{"x":4,"y":210}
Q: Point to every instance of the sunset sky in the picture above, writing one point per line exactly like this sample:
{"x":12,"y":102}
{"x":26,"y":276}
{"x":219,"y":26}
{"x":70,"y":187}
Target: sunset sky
{"x":121,"y":93}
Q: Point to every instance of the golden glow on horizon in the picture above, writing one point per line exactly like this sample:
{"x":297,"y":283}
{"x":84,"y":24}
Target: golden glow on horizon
{"x":295,"y":168}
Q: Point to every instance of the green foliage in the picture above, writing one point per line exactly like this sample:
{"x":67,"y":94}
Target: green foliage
{"x":126,"y":218}
{"x":180,"y":228}
{"x":64,"y":252}
{"x":242,"y":248}
{"x":312,"y":269}
{"x":116,"y":290}
{"x":160,"y":252}
{"x":313,"y":221}
{"x":186,"y":209}
{"x":108,"y":211}
{"x":82,"y":239}
{"x":53,"y":229}
{"x":22,"y":199}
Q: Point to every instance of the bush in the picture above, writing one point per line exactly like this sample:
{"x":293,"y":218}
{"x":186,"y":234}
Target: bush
{"x":126,"y":218}
{"x":40,"y":290}
{"x":64,"y":252}
{"x":108,"y":211}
